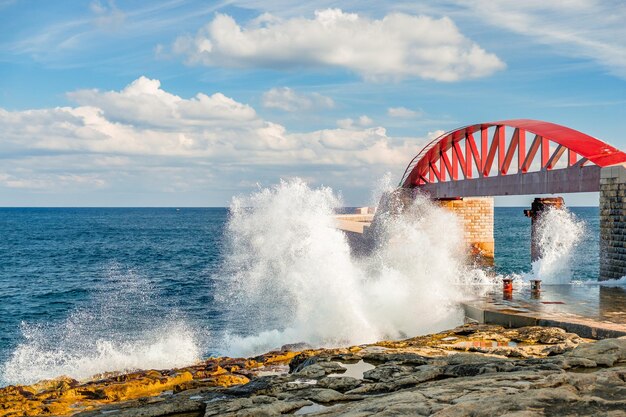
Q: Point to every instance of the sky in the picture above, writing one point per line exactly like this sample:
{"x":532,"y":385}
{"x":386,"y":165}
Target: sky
{"x":189,"y":103}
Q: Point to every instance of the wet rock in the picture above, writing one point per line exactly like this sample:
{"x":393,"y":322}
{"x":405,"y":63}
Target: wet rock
{"x":295,"y":347}
{"x":301,"y":361}
{"x":258,"y":385}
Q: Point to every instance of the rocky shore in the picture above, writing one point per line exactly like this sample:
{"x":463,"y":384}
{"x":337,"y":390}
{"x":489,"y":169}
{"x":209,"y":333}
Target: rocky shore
{"x":473,"y":370}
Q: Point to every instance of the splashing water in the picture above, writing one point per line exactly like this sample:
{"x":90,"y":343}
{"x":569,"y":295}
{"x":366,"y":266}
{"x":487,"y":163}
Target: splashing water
{"x":292,"y":278}
{"x":116,"y":333}
{"x":557,"y":234}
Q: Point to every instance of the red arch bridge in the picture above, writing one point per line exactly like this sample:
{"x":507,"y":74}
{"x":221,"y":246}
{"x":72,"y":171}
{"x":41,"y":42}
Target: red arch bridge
{"x":510,"y":157}
{"x":520,"y":157}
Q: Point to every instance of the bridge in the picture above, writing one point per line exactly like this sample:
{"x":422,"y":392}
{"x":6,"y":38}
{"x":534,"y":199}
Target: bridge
{"x":460,"y":163}
{"x":466,"y":167}
{"x":462,"y":170}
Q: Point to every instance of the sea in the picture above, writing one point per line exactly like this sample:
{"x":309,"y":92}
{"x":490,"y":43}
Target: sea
{"x":90,"y":290}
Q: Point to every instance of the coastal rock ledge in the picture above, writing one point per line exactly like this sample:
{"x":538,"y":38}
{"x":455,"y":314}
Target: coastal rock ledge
{"x":473,"y":370}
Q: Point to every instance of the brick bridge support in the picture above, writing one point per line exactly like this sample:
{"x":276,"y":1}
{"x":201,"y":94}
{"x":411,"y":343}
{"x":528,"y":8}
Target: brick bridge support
{"x":612,"y":222}
{"x":476,"y":216}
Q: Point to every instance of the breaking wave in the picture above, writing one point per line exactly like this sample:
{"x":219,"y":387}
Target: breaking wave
{"x":291,"y":276}
{"x":118,"y":332}
{"x":557,"y":234}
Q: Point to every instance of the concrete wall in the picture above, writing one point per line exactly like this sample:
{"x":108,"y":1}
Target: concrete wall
{"x":612,"y":222}
{"x":476,"y":215}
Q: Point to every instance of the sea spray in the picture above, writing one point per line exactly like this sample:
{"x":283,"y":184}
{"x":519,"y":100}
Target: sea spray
{"x":116,"y":331}
{"x":291,"y":276}
{"x":557,"y":233}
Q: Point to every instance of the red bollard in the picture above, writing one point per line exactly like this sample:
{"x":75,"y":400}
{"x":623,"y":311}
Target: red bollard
{"x":507,"y":285}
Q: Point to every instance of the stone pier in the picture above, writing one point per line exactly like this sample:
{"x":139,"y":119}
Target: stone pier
{"x":612,"y":222}
{"x":476,"y":216}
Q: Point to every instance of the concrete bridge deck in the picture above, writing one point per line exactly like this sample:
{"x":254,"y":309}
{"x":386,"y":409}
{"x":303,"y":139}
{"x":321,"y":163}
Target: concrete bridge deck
{"x":354,"y":223}
{"x":592,"y":311}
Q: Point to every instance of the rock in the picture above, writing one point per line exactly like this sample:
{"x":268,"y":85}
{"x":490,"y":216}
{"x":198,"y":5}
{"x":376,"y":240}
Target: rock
{"x":156,"y":409}
{"x":469,"y":329}
{"x":65,"y":395}
{"x":257,"y":406}
{"x":320,"y":369}
{"x":256,"y":386}
{"x":339,"y":383}
{"x":401,"y":358}
{"x":517,"y":393}
{"x":604,"y":352}
{"x":388,"y":372}
{"x":295,"y":347}
{"x":549,"y":373}
{"x":318,"y":395}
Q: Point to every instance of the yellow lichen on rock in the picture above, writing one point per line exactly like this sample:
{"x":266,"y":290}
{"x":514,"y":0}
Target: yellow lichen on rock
{"x":66,"y":396}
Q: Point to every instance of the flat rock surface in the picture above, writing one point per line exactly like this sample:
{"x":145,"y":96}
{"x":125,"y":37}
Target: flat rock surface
{"x":473,"y":370}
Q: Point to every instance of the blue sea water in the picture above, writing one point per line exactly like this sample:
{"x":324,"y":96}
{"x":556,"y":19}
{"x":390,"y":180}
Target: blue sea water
{"x":512,"y":236}
{"x":116,"y":272}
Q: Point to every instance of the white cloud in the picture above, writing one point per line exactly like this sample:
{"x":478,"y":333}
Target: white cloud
{"x":143,"y":102}
{"x":107,"y":15}
{"x":365,"y":121}
{"x":402,"y":112}
{"x":591,"y":29}
{"x":112,"y":138}
{"x":287,"y":99}
{"x":397,"y":46}
{"x":362,"y":121}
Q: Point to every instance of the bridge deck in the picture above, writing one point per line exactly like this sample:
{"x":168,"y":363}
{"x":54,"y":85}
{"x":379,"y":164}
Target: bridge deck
{"x":585,"y":179}
{"x":355,"y":223}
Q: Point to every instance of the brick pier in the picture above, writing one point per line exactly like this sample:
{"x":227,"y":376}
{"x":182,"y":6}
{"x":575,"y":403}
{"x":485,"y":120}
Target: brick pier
{"x":476,"y":216}
{"x":612,"y":222}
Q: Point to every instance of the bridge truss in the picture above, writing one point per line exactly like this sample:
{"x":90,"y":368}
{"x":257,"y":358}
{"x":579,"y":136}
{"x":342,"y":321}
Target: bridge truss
{"x":510,"y":157}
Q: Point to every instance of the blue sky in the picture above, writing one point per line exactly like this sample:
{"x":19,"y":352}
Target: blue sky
{"x":182,"y":103}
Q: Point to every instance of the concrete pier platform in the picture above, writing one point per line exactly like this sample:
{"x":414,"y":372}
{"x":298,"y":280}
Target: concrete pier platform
{"x":354,"y":223}
{"x":590,"y":310}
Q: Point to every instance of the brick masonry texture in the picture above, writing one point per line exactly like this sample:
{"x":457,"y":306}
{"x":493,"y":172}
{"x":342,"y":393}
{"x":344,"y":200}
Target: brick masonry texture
{"x":612,"y":223}
{"x":476,"y":215}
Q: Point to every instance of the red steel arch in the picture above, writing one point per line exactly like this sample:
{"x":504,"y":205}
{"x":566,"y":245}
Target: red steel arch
{"x":469,"y":153}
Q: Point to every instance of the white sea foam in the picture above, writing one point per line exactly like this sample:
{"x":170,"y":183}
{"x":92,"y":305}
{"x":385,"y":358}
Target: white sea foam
{"x":557,"y":234}
{"x":116,"y":332}
{"x":292,"y":277}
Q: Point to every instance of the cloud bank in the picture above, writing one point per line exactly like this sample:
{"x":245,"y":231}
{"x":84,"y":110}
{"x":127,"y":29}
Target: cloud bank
{"x":397,"y":46}
{"x":110,"y":136}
